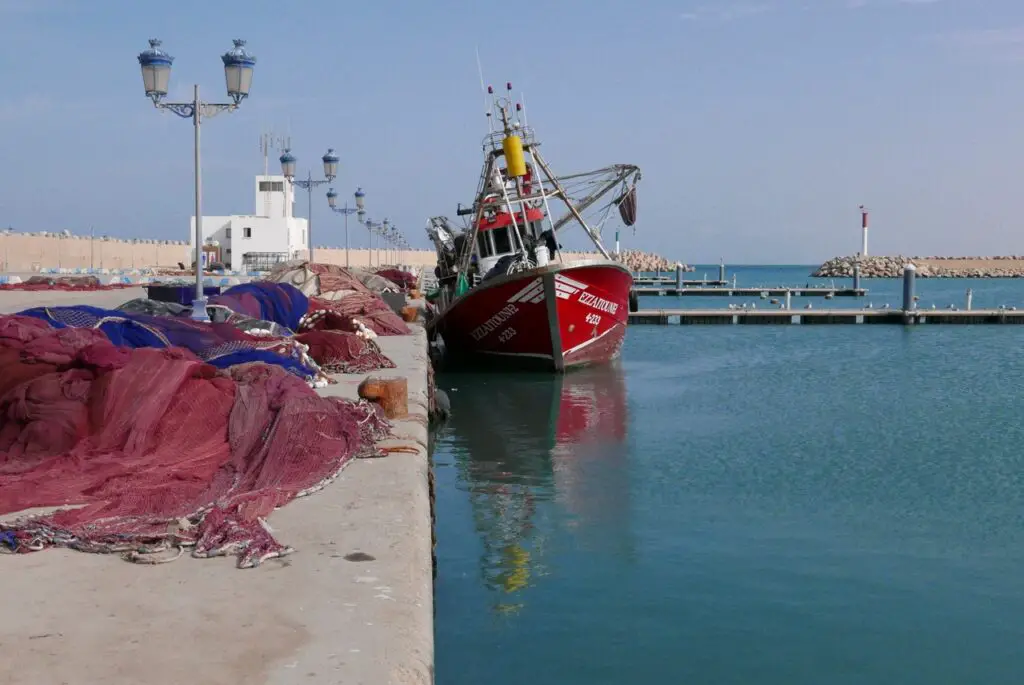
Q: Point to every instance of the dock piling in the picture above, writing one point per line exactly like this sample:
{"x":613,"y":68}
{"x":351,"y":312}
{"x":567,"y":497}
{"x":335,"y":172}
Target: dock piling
{"x":721,"y":271}
{"x":679,"y":275}
{"x":856,"y":276}
{"x":789,"y":299}
{"x":909,"y":274}
{"x":970,"y":298}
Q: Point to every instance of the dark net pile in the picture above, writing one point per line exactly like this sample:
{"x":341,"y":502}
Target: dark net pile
{"x":68,"y":283}
{"x":403,"y":279}
{"x":164,"y":451}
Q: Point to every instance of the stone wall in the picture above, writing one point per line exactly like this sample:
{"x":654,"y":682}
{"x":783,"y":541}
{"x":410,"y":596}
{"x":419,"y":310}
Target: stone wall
{"x":24,"y":253}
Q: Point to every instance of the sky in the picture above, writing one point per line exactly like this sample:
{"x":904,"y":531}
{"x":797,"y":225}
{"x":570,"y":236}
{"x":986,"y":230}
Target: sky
{"x":760,"y":125}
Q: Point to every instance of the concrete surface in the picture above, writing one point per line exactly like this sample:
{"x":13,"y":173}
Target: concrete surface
{"x":312,"y":617}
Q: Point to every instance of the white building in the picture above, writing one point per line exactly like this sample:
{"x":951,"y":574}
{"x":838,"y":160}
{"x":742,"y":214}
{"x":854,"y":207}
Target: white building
{"x":254,"y":242}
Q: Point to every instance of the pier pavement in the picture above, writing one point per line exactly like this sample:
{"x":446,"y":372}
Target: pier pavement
{"x":352,"y":605}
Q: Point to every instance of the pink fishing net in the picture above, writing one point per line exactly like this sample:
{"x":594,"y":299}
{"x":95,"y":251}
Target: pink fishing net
{"x":343,"y":352}
{"x":164,"y":451}
{"x":342,"y":314}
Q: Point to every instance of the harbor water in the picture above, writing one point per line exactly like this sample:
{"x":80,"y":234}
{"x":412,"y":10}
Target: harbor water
{"x":740,"y":504}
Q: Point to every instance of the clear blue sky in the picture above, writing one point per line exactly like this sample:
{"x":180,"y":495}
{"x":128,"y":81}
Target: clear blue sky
{"x":760,"y":125}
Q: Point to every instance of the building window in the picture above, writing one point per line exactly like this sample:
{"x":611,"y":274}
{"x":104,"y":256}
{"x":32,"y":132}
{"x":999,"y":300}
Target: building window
{"x":227,"y":232}
{"x":246,"y":232}
{"x":272,"y":186}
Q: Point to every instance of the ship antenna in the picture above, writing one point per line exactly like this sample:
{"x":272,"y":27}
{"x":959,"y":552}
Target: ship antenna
{"x":483,"y":91}
{"x":522,"y":98}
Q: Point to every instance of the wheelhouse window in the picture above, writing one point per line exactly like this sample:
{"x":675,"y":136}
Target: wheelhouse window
{"x":502,"y":241}
{"x":483,"y":244}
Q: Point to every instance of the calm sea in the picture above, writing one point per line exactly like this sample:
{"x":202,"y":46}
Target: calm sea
{"x":743,"y":504}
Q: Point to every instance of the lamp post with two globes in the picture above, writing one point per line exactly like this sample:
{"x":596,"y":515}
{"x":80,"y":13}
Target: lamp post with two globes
{"x":156,"y":77}
{"x":360,"y":209}
{"x":330,"y":161}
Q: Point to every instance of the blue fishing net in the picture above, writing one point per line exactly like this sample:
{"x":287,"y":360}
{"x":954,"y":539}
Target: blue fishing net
{"x":221,"y":345}
{"x":281,"y":303}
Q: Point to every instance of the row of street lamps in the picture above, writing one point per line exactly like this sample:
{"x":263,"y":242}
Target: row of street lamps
{"x":384,"y":231}
{"x":238,"y":70}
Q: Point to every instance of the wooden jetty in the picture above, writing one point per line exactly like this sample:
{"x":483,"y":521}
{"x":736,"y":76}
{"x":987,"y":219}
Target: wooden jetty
{"x":825,"y":316}
{"x":776,"y":291}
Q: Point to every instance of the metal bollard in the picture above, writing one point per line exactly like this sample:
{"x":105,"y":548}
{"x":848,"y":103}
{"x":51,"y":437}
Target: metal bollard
{"x":909,"y":276}
{"x":856,"y":276}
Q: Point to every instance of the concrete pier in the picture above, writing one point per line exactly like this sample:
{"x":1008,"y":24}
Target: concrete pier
{"x":353,"y":604}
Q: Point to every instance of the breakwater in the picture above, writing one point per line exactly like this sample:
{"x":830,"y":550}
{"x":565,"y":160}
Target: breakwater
{"x":641,"y":262}
{"x":927,"y":267}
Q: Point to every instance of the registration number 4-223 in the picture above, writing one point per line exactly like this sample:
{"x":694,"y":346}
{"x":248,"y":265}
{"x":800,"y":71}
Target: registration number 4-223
{"x":594,"y":319}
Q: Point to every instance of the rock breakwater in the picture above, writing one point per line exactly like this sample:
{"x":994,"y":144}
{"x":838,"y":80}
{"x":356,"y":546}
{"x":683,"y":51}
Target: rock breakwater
{"x":927,"y":267}
{"x":648,"y":261}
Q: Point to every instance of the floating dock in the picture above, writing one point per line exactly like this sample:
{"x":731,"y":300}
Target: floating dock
{"x":673,"y":283}
{"x":825,"y":316}
{"x":672,"y":291}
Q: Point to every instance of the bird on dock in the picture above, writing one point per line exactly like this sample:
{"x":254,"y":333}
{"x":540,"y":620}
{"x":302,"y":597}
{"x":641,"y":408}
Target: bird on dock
{"x":933,"y":305}
{"x":869,"y":306}
{"x":885,"y":306}
{"x":808,"y":305}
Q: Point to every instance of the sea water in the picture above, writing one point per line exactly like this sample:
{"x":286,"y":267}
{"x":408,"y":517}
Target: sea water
{"x":742,"y":504}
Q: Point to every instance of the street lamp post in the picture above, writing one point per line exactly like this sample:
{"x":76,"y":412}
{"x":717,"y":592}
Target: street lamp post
{"x":332,"y":202}
{"x":156,"y":77}
{"x":330,"y":161}
{"x":381,"y":233}
{"x":371,"y":228}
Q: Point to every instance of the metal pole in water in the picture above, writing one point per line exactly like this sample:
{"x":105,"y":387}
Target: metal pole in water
{"x":679,"y":276}
{"x":909,"y":274}
{"x":856,"y":276}
{"x":721,"y":271}
{"x":970,"y":298}
{"x":789,"y":300}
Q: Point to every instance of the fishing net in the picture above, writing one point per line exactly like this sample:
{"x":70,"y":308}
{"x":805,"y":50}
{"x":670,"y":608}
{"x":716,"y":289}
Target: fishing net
{"x":72,"y":283}
{"x":160,"y":450}
{"x":341,"y":299}
{"x":403,"y":279}
{"x":344,"y":352}
{"x":220,"y":344}
{"x":348,"y":312}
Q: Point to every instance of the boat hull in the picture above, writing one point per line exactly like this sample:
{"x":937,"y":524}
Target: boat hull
{"x":557,"y":317}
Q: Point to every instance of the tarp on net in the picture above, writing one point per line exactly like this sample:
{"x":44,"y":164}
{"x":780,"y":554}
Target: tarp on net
{"x":163,"y":450}
{"x":221,"y":345}
{"x":282,"y":303}
{"x":339,"y":298}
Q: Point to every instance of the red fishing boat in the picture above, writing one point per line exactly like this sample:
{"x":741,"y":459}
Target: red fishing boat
{"x":506,"y":294}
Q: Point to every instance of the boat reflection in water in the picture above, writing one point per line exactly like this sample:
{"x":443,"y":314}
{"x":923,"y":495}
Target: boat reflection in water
{"x":543,"y":458}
